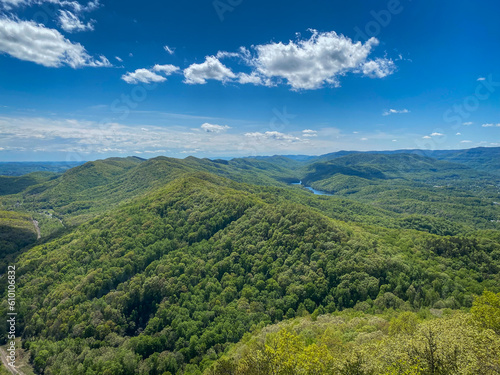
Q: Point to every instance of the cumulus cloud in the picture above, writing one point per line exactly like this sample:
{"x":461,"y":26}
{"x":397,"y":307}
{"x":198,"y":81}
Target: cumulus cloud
{"x":142,"y":75}
{"x":490,"y":125}
{"x":150,"y":75}
{"x":253,"y":78}
{"x":436,"y":134}
{"x":166,"y":69}
{"x":71,"y":23}
{"x":28,"y":41}
{"x":318,"y":61}
{"x":468,"y":123}
{"x":395,"y":111}
{"x":119,"y":59}
{"x":426,"y":137}
{"x":304,"y":64}
{"x":213,"y":128}
{"x":378,"y":68}
{"x":481,"y":79}
{"x":211,"y":68}
{"x":169,"y":50}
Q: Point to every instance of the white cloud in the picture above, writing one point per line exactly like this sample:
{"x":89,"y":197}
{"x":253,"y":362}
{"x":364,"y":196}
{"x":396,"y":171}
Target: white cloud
{"x":9,"y":4}
{"x":273,"y":135}
{"x":225,"y":54}
{"x":28,"y":41}
{"x":142,"y":75}
{"x":76,"y":6}
{"x":309,"y":133}
{"x":212,"y":68}
{"x":436,"y":134}
{"x":481,"y":79}
{"x":458,"y":134}
{"x":71,"y":23}
{"x":213,"y":128}
{"x":312,"y":63}
{"x":166,"y":69}
{"x":395,"y":111}
{"x":253,"y":78}
{"x":468,"y":123}
{"x":426,"y":137}
{"x":378,"y":68}
{"x":465,"y":141}
{"x":364,"y":139}
{"x":490,"y":125}
{"x":169,"y":50}
{"x":118,"y":58}
{"x":305,"y":64}
{"x":92,"y":140}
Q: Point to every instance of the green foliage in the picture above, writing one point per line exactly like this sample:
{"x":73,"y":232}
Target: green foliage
{"x":14,"y":185}
{"x":405,"y":323}
{"x":3,"y":370}
{"x":162,"y":266}
{"x":486,"y":310}
{"x":363,"y":344}
{"x":16,"y":231}
{"x":188,"y":269}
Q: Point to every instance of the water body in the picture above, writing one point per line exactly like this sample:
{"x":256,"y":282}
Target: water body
{"x":317,"y":192}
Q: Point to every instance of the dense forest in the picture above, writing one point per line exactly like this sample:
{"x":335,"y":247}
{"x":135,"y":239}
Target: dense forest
{"x":168,"y":266}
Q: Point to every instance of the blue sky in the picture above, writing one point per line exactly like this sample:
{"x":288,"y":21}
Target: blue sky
{"x":88,"y":80}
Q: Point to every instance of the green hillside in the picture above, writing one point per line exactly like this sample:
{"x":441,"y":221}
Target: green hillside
{"x":166,"y":266}
{"x":84,"y":191}
{"x":190,"y":268}
{"x":16,"y":232}
{"x":13,"y":185}
{"x":481,"y":158}
{"x":410,"y":184}
{"x":431,"y":342}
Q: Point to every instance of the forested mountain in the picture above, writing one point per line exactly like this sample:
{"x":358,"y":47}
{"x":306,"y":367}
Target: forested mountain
{"x":480,"y":158}
{"x":13,"y":185}
{"x":166,"y":266}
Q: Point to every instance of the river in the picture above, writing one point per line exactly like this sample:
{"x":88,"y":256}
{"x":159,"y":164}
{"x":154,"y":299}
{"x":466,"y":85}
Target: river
{"x":317,"y":192}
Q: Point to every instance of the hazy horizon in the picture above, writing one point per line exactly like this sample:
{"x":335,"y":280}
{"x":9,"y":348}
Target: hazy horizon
{"x":236,"y":157}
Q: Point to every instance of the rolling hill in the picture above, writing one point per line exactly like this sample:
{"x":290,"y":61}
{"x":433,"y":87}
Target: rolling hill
{"x":166,"y":266}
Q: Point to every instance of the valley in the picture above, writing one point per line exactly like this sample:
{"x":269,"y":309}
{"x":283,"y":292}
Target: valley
{"x":199,"y":266}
